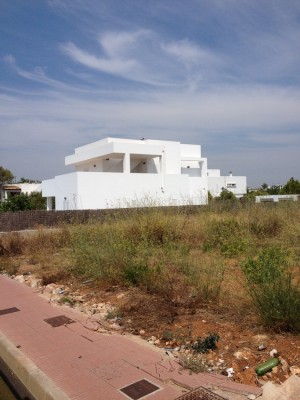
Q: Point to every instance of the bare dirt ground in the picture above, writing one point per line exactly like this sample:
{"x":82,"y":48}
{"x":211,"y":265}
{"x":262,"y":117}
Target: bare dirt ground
{"x":240,"y":339}
{"x":243,"y":343}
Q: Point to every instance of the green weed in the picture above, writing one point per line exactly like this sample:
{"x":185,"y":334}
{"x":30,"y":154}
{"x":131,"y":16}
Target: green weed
{"x":228,"y":236}
{"x":272,"y":288}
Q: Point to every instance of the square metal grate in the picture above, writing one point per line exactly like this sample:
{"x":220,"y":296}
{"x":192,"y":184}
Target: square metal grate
{"x":201,"y":394}
{"x":58,"y":321}
{"x":9,"y":310}
{"x":139,"y":389}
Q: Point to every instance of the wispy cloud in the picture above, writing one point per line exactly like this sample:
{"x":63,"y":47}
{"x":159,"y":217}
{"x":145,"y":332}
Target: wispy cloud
{"x":115,"y":66}
{"x":39,"y":75}
{"x":189,"y":52}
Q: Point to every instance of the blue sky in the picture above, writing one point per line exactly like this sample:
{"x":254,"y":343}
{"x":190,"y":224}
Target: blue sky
{"x":221,"y":73}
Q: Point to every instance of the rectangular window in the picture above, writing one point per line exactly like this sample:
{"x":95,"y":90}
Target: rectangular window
{"x":231,"y":185}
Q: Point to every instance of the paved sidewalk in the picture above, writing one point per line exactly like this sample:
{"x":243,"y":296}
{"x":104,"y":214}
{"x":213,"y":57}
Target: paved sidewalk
{"x":71,"y":361}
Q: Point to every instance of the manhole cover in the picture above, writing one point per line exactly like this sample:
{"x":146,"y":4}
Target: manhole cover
{"x":201,"y":394}
{"x":139,"y":389}
{"x":58,"y":321}
{"x":9,"y":310}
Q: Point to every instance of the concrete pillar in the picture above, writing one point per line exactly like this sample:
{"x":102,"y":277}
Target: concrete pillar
{"x":49,"y":203}
{"x":162,"y":170}
{"x":126,"y":163}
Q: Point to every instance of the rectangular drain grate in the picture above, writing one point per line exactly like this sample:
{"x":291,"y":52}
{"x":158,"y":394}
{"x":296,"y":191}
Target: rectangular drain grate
{"x":200,"y":394}
{"x":58,"y":321}
{"x":139,"y":389}
{"x":9,"y":310}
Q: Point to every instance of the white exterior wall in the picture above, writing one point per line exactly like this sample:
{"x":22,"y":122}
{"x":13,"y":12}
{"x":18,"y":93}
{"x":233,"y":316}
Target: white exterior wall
{"x":217,"y":184}
{"x":276,"y":198}
{"x":65,"y":190}
{"x":29,"y":187}
{"x":92,"y":190}
{"x":213,"y":173}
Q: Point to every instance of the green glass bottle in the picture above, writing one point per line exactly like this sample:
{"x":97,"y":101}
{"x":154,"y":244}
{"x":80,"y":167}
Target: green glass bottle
{"x":267,"y":366}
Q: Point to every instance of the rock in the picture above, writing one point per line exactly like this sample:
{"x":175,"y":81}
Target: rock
{"x":19,"y":278}
{"x":115,"y":326}
{"x":251,"y":397}
{"x":33,"y":282}
{"x":284,"y":365}
{"x":91,"y":325}
{"x":294,"y":370}
{"x":157,"y":342}
{"x":275,"y":370}
{"x":259,"y":339}
{"x":142,"y":332}
{"x":242,"y":354}
{"x":273,"y":353}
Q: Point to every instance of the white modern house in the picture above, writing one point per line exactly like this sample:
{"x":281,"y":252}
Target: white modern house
{"x":115,"y":173}
{"x":235,"y":184}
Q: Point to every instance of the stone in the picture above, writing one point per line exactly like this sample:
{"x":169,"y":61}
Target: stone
{"x":19,"y":278}
{"x":259,"y":339}
{"x":295,"y":370}
{"x":273,"y":353}
{"x":242,"y":354}
{"x":91,"y":325}
{"x":142,"y":332}
{"x":251,"y":397}
{"x":284,"y":365}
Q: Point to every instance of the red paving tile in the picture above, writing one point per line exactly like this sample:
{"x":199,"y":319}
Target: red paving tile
{"x":88,"y":365}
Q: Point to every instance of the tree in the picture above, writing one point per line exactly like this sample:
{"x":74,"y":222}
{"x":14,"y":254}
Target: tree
{"x":6,"y":176}
{"x":227,"y":195}
{"x":26,"y":180}
{"x":291,"y":187}
{"x":274,"y":189}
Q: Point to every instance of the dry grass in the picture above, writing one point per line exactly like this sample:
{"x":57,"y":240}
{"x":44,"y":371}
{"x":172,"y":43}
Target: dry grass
{"x":187,"y":258}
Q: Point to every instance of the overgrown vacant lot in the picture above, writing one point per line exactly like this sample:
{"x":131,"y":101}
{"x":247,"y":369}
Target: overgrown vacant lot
{"x":228,"y":268}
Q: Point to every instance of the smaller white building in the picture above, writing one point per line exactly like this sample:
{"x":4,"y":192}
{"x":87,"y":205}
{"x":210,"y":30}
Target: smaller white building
{"x":15,"y":189}
{"x":217,"y":183}
{"x":115,"y":173}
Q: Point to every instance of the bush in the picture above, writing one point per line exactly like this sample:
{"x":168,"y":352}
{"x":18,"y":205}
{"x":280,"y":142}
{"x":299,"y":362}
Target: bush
{"x":270,"y":284}
{"x":23,"y":202}
{"x":267,"y":267}
{"x":228,"y":236}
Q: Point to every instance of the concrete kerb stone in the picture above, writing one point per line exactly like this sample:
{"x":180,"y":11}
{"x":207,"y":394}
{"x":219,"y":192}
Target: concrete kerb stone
{"x":37,"y":383}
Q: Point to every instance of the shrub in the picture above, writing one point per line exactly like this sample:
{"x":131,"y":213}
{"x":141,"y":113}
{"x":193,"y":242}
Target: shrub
{"x":11,"y":244}
{"x":267,"y":267}
{"x":209,"y":343}
{"x":275,"y":295}
{"x":228,"y":236}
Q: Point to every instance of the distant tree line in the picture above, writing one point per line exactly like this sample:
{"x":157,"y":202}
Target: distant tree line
{"x":292,"y":186}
